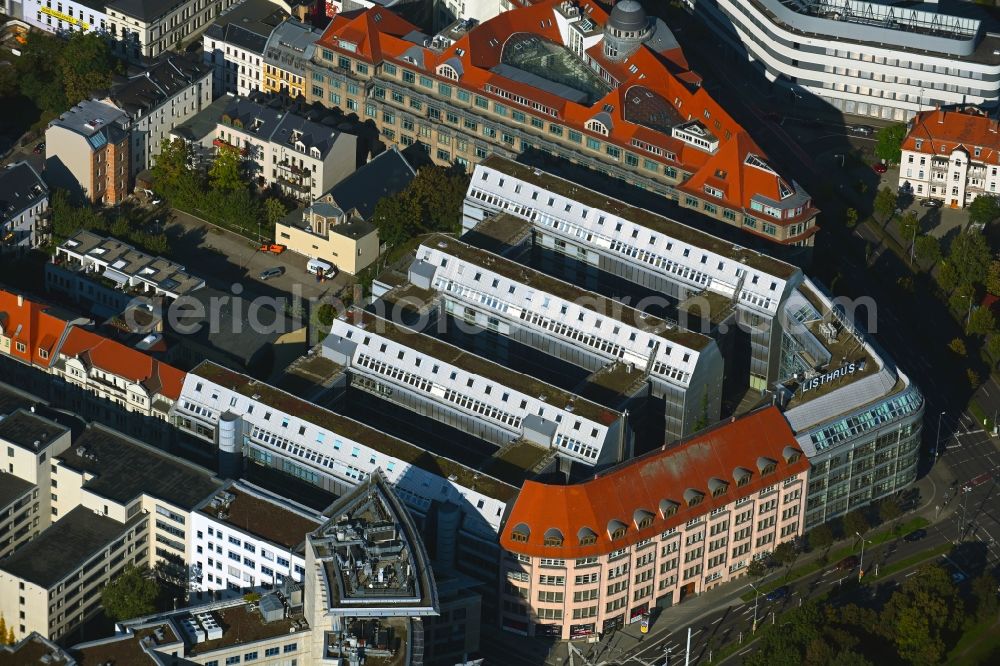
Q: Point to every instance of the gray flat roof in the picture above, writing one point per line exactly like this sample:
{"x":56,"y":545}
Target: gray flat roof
{"x":124,"y":468}
{"x":29,"y":431}
{"x":12,"y":400}
{"x":12,"y":488}
{"x":63,"y":547}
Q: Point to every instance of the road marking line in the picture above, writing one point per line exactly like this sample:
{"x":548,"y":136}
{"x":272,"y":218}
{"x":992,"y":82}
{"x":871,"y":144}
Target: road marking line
{"x":717,"y":620}
{"x":910,"y":574}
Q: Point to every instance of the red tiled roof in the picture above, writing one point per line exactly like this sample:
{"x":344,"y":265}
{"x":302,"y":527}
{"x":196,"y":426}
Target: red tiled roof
{"x":124,"y":361}
{"x":28,"y":322}
{"x":649,"y":483}
{"x":941,"y":132}
{"x":377,"y":35}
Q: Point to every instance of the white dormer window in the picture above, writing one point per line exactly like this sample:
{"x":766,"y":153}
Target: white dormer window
{"x":448,"y":72}
{"x":314,"y":152}
{"x":597,"y":126}
{"x":713,"y":191}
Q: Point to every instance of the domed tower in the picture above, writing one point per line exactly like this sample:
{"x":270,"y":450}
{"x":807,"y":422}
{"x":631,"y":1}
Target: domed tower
{"x":627,"y":28}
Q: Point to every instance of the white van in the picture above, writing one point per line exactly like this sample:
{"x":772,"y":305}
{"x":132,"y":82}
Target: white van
{"x":320,"y":267}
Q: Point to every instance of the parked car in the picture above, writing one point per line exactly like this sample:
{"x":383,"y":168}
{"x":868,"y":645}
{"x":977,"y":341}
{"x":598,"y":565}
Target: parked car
{"x":779,"y":593}
{"x":957,"y":576}
{"x":880,"y":168}
{"x":40,"y":148}
{"x":862,"y":130}
{"x":931,"y":203}
{"x":273,"y":248}
{"x":915,"y":535}
{"x":269,"y":273}
{"x":848,"y":563}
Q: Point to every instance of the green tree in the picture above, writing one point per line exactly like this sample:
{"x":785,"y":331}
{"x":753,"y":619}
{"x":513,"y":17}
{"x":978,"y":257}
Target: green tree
{"x":397,"y":219}
{"x":784,"y":553}
{"x":171,"y":165}
{"x":984,"y":591}
{"x":851,"y":218}
{"x":992,"y":282}
{"x":325,"y":314}
{"x":274,"y":211}
{"x":131,"y":594}
{"x":923,"y":615}
{"x":224,"y":174}
{"x":984,"y":209}
{"x":970,"y":256}
{"x":757,"y":568}
{"x":981,"y":322}
{"x":927,"y":249}
{"x":947,"y":276}
{"x":40,"y":73}
{"x":86,"y":65}
{"x":9,"y":85}
{"x":855,"y":521}
{"x":821,"y":537}
{"x":439,"y":192}
{"x":957,"y":345}
{"x":993,"y":346}
{"x":908,"y":227}
{"x":885,"y":203}
{"x":889,"y":510}
{"x":888,"y":143}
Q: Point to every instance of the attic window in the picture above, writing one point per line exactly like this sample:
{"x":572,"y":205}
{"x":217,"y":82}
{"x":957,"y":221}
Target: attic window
{"x":791,"y":454}
{"x":713,"y":191}
{"x":766,"y":465}
{"x":587,"y":536}
{"x":755,"y":161}
{"x":783,"y":190}
{"x":718,"y":487}
{"x":616,"y":529}
{"x":920,"y":142}
{"x":742,"y":476}
{"x":633,"y":69}
{"x":377,"y":17}
{"x":553,"y":537}
{"x":668,"y":508}
{"x":597,"y":126}
{"x":520,"y":533}
{"x":693,"y":497}
{"x":642,"y":518}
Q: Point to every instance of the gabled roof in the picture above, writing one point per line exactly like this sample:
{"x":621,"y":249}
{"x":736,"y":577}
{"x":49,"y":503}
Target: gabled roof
{"x":940,"y":132}
{"x":477,"y":55}
{"x":20,"y":188}
{"x":386,"y":175}
{"x":115,"y":358}
{"x":655,"y":484}
{"x":30,"y":323}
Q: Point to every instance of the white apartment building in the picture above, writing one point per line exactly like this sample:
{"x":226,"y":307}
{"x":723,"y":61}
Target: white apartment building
{"x":246,"y":537}
{"x":865,"y":58}
{"x":685,"y":368}
{"x":24,"y":199}
{"x":65,"y":15}
{"x":302,"y":157}
{"x":951,"y":156}
{"x":473,"y":394}
{"x":166,"y":94}
{"x":145,"y":29}
{"x":676,"y":261}
{"x":244,"y":417}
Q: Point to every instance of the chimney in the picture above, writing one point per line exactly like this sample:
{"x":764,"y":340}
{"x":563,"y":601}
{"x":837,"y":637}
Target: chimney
{"x":940,"y":116}
{"x":20,"y":301}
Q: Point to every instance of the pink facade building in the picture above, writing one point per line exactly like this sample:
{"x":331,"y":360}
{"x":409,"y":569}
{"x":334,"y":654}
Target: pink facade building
{"x":593,"y":556}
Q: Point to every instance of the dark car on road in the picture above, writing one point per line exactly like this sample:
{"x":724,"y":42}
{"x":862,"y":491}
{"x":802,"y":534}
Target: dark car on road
{"x":931,"y":203}
{"x":269,"y":273}
{"x":848,"y":563}
{"x":779,"y":593}
{"x":915,"y":535}
{"x":880,"y":168}
{"x":40,"y":148}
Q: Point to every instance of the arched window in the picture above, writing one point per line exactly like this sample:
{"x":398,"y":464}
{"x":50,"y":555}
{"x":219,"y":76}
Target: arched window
{"x":616,"y":529}
{"x":693,"y":497}
{"x":520,"y":533}
{"x":668,"y":508}
{"x":553,"y":537}
{"x":586,"y":536}
{"x":642,"y":518}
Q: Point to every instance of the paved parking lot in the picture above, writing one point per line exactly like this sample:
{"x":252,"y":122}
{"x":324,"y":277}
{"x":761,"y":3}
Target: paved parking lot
{"x":224,"y":258}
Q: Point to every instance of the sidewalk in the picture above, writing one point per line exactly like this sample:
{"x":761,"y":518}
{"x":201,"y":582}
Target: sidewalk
{"x":932,"y":507}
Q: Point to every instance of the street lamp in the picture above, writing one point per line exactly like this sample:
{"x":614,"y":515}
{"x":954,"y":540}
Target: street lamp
{"x":861,"y":560}
{"x":756,"y":597}
{"x":937,"y":442}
